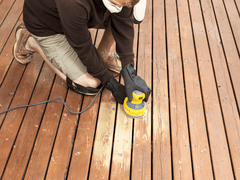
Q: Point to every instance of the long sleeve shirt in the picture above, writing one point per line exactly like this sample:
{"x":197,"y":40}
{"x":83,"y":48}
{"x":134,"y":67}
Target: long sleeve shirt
{"x":73,"y":18}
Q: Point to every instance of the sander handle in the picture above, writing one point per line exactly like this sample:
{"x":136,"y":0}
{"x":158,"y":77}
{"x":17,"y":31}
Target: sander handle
{"x":138,"y":97}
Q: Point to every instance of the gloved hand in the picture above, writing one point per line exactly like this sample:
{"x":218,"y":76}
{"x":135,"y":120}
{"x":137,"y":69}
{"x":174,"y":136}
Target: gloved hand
{"x":117,"y":89}
{"x":134,"y":82}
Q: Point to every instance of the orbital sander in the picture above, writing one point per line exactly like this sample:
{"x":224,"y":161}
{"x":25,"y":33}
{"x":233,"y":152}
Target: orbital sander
{"x":136,"y":108}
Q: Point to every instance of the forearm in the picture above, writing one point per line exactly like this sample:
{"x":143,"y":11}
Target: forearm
{"x":90,"y":57}
{"x":123,"y":33}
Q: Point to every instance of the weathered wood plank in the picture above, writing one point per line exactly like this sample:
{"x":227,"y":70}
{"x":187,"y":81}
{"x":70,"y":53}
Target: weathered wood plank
{"x":217,"y":138}
{"x":201,"y":159}
{"x":141,"y":158}
{"x":221,"y":72}
{"x":237,"y":2}
{"x":6,"y":55}
{"x":230,"y":49}
{"x":235,"y":22}
{"x":182,"y":165}
{"x":122,"y":146}
{"x":4,"y":9}
{"x":162,"y":168}
{"x":10,"y":21}
{"x":100,"y":164}
{"x":61,"y":154}
{"x":82,"y":151}
{"x":25,"y":140}
{"x":9,"y":86}
{"x":41,"y":154}
{"x":13,"y":119}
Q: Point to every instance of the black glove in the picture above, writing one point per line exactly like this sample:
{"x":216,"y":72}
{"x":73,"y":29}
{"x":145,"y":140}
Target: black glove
{"x":117,"y":89}
{"x":134,"y":82}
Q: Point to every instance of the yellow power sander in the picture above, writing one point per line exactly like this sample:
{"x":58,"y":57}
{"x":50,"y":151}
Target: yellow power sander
{"x":137,"y":107}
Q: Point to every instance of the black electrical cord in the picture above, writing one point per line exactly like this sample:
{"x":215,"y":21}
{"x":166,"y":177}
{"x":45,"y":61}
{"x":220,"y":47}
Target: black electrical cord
{"x":23,"y":106}
{"x":76,"y":113}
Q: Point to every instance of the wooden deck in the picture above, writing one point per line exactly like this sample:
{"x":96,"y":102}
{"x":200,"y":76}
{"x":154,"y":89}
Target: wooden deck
{"x":186,"y":50}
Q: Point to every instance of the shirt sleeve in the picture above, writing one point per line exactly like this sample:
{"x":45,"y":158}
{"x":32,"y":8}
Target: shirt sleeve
{"x":123,"y":33}
{"x":74,"y":19}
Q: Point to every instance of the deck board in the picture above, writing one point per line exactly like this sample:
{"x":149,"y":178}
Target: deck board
{"x":216,"y":129}
{"x":186,"y":50}
{"x":9,"y":21}
{"x":237,"y":2}
{"x":196,"y":121}
{"x":44,"y":142}
{"x":141,"y":157}
{"x":162,"y":168}
{"x":13,"y":120}
{"x":234,"y":22}
{"x":29,"y":128}
{"x":229,"y":46}
{"x":181,"y":153}
{"x":62,"y":150}
{"x":6,"y":52}
{"x":226,"y":95}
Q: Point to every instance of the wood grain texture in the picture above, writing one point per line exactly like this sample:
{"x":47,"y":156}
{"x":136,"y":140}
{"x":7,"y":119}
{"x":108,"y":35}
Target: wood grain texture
{"x":232,"y":13}
{"x":141,"y":158}
{"x":100,"y":164}
{"x":9,"y":86}
{"x":65,"y":136}
{"x":217,"y":138}
{"x":182,"y":164}
{"x":237,"y":2}
{"x":6,"y":55}
{"x":13,"y":119}
{"x":81,"y":156}
{"x":230,"y":49}
{"x":5,"y":8}
{"x":162,"y":159}
{"x":41,"y":154}
{"x":201,"y":159}
{"x":122,"y":148}
{"x":227,"y":99}
{"x":10,"y":21}
{"x":25,"y":140}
